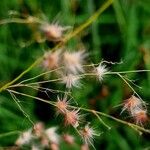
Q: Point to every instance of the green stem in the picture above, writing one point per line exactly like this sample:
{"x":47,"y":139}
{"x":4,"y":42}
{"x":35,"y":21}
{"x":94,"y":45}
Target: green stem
{"x":23,"y":73}
{"x":90,"y":20}
{"x":29,"y":20}
{"x":134,"y":126}
{"x":9,"y":133}
{"x":67,"y":38}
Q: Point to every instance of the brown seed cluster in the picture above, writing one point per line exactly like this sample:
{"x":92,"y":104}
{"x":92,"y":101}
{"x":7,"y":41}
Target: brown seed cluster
{"x":137,"y":109}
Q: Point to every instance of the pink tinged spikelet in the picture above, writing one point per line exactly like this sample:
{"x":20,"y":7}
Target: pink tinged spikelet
{"x":54,"y":146}
{"x":88,"y":134}
{"x":84,"y":147}
{"x":72,"y":118}
{"x":131,"y":104}
{"x":61,"y":105}
{"x":70,"y":81}
{"x":51,"y":60}
{"x":52,"y":136}
{"x":140,"y":116}
{"x":38,"y":129}
{"x":24,"y":138}
{"x":73,"y":61}
{"x":68,"y":139}
{"x":53,"y":32}
{"x":100,"y":71}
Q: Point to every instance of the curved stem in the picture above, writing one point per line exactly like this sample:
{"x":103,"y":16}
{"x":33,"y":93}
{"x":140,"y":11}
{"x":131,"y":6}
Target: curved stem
{"x":28,"y":20}
{"x":129,"y":86}
{"x":67,"y":38}
{"x":44,"y":73}
{"x":134,"y":126}
{"x":130,"y":71}
{"x":23,"y":73}
{"x":2,"y":135}
{"x":30,"y":96}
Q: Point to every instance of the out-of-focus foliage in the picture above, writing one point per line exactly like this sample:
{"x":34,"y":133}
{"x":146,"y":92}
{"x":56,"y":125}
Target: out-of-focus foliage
{"x":121,"y":33}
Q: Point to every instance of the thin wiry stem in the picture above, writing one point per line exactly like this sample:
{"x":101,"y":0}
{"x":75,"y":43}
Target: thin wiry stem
{"x":28,"y":20}
{"x":46,"y":81}
{"x":32,"y":85}
{"x":30,"y":96}
{"x":20,"y":107}
{"x":67,"y":38}
{"x":42,"y":74}
{"x":18,"y":77}
{"x":130,"y":71}
{"x":81,"y":76}
{"x":38,"y":88}
{"x":132,"y":82}
{"x":134,"y":126}
{"x":45,"y":90}
{"x":85,"y":74}
{"x":113,"y":73}
{"x":2,"y":135}
{"x":129,"y":85}
{"x":101,"y":121}
{"x":124,"y":79}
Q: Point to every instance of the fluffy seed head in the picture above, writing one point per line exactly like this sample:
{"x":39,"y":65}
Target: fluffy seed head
{"x":52,"y":136}
{"x":68,"y":139}
{"x":73,"y":61}
{"x":38,"y":129}
{"x":61,"y":105}
{"x":53,"y":32}
{"x":54,"y":146}
{"x":140,"y":116}
{"x":24,"y":138}
{"x":51,"y":60}
{"x":131,"y":104}
{"x":71,"y":81}
{"x":72,"y":118}
{"x":100,"y":71}
{"x":88,"y":134}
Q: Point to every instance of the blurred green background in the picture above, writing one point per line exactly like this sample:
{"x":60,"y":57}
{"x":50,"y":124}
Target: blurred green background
{"x":121,"y":33}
